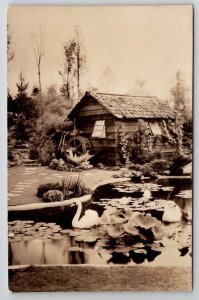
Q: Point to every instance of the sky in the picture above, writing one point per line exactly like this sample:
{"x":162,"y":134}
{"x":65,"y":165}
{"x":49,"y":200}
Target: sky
{"x":122,"y":45}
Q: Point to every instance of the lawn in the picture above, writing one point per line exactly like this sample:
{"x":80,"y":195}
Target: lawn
{"x":91,"y":278}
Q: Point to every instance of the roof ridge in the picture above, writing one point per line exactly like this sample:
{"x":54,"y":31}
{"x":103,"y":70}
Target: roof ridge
{"x":111,"y":94}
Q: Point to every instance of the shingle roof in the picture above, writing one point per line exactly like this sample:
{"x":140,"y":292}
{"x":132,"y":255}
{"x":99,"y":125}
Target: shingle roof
{"x":125,"y":106}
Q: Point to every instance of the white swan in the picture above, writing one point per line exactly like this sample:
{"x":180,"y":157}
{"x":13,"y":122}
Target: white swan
{"x":172,"y":212}
{"x":89,"y":219}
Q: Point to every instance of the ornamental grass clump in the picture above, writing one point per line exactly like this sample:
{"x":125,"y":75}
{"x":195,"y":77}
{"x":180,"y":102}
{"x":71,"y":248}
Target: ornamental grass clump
{"x":67,"y":189}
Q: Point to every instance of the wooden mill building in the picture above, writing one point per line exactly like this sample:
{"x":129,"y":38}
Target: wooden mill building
{"x":104,"y":118}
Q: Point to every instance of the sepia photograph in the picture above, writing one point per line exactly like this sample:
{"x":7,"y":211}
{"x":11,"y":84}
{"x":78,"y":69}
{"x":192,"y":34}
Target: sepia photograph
{"x":99,"y":148}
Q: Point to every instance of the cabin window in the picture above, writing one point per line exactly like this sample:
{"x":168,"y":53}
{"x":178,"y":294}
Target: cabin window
{"x":99,"y":129}
{"x":155,"y":128}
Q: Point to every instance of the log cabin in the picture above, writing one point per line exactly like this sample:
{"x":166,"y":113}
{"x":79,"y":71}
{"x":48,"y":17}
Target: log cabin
{"x":114,"y":124}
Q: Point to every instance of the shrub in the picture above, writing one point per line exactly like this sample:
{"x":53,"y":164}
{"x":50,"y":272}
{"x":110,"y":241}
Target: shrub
{"x":34,"y":153}
{"x":43,"y":188}
{"x":160,"y":165}
{"x":52,"y":196}
{"x":153,"y":168}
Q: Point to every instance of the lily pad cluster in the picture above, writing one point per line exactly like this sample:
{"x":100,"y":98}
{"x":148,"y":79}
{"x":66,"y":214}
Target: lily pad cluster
{"x":139,"y":225}
{"x":129,"y":187}
{"x":186,"y":194}
{"x":28,"y":230}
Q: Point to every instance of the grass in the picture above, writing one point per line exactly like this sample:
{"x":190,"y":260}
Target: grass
{"x":92,"y":278}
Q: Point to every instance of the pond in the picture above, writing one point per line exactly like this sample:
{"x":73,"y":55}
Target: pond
{"x":50,"y":243}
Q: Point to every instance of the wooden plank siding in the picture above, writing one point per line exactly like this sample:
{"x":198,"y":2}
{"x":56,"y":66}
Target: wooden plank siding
{"x":109,"y":148}
{"x":92,"y":107}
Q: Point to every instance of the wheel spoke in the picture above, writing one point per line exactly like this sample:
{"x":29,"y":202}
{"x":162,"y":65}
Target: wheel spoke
{"x":78,"y":146}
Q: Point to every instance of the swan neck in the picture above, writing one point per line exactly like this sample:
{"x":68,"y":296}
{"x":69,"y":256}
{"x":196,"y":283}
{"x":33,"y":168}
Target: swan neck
{"x":78,"y":212}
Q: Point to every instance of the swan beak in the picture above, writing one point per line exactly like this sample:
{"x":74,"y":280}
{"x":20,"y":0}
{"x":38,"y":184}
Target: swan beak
{"x":72,"y":205}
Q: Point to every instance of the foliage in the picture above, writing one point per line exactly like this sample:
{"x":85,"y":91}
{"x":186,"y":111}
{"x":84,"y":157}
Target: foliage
{"x":50,"y":123}
{"x":180,"y":94}
{"x":143,"y":151}
{"x":43,"y":188}
{"x":85,"y":165}
{"x":178,"y":163}
{"x":158,"y":166}
{"x":74,"y":188}
{"x":61,"y":165}
{"x":57,"y":164}
{"x":69,"y":187}
{"x":22,"y":103}
{"x":124,"y":140}
{"x":135,"y":224}
{"x":52,"y":196}
{"x":183,"y":105}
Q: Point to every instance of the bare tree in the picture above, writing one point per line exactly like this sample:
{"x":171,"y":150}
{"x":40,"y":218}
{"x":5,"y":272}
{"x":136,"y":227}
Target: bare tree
{"x":74,"y":63}
{"x":38,"y":49}
{"x":80,"y":58}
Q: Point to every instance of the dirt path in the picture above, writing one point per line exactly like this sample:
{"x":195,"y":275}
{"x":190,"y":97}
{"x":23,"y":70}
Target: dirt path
{"x":23,"y":181}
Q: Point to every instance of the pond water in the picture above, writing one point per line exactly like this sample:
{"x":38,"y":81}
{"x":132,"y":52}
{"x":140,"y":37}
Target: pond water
{"x":50,"y":243}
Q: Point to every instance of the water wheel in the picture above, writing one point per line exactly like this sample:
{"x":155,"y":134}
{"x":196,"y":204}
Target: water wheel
{"x":79,"y":145}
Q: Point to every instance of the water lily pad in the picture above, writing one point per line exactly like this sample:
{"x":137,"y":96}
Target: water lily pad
{"x":66,"y":231}
{"x":40,"y":224}
{"x":145,"y":221}
{"x":75,"y":233}
{"x":115,"y":231}
{"x":75,"y":249}
{"x":140,"y":251}
{"x":129,"y":228}
{"x":79,"y":238}
{"x":158,"y":232}
{"x":138,"y":245}
{"x":51,"y":224}
{"x":103,"y":243}
{"x":29,"y":222}
{"x":54,"y":230}
{"x":57,"y":237}
{"x":90,"y":239}
{"x":122,"y":249}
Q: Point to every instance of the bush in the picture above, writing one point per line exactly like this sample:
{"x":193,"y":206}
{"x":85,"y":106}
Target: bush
{"x":153,"y":168}
{"x":160,"y":165}
{"x":43,"y":188}
{"x":34,"y":153}
{"x":52,"y":196}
